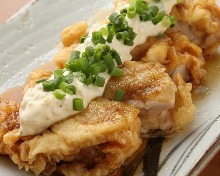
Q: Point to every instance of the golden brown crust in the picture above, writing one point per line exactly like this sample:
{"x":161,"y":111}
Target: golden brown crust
{"x":9,"y":119}
{"x":199,"y":20}
{"x":109,"y":128}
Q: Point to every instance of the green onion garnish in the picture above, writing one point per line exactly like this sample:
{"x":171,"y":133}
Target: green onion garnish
{"x":99,"y":81}
{"x":97,"y":37}
{"x":89,"y":50}
{"x":40,"y":81}
{"x":48,"y":86}
{"x":57,"y":80}
{"x":78,"y":104}
{"x":74,"y":66}
{"x":117,"y":72}
{"x":158,"y":18}
{"x":59,"y":94}
{"x":109,"y":62}
{"x":123,"y":12}
{"x":166,"y":21}
{"x":119,"y":95}
{"x":173,"y":21}
{"x":131,"y":12}
{"x":95,"y":69}
{"x":82,"y":39}
{"x":104,"y":31}
{"x":153,"y":10}
{"x":70,"y":89}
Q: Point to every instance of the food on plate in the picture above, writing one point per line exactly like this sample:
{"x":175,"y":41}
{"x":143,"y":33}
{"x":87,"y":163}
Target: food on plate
{"x":95,"y":141}
{"x":119,"y":80}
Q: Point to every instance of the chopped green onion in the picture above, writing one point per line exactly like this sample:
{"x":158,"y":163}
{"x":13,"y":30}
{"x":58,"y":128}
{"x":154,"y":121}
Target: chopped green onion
{"x":112,"y":18}
{"x":97,"y":55}
{"x":99,"y":81}
{"x":166,"y":21}
{"x":82,"y":39}
{"x":63,"y":86}
{"x":83,"y":65}
{"x":75,"y":54}
{"x":116,"y":57}
{"x":173,"y":21}
{"x":97,"y":37}
{"x":109,"y":62}
{"x":89,"y":50}
{"x":95,"y":69}
{"x":103,"y":67}
{"x":131,"y":34}
{"x":131,"y":12}
{"x":81,"y":76}
{"x":119,"y":36}
{"x":128,"y":42}
{"x":74,"y":66}
{"x":160,"y":35}
{"x":144,"y":5}
{"x":70,"y":89}
{"x":153,"y":10}
{"x":57,"y":80}
{"x":40,"y":81}
{"x":78,"y":104}
{"x":117,"y":72}
{"x":119,"y":95}
{"x":88,"y":81}
{"x":69,"y":78}
{"x":58,"y":72}
{"x":158,"y":18}
{"x":59,"y":94}
{"x":104,"y":31}
{"x":48,"y":86}
{"x":106,"y":48}
{"x":123,"y":12}
{"x":145,"y":16}
{"x":84,"y":54}
{"x":138,"y":4}
{"x":119,"y":20}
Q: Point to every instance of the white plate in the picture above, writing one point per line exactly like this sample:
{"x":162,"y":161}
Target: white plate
{"x":27,"y":41}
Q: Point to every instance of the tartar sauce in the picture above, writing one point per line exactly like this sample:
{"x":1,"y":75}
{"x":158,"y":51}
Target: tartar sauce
{"x":39,"y":109}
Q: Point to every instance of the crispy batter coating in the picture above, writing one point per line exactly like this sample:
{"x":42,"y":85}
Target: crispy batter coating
{"x":148,"y":87}
{"x":96,"y":141}
{"x":178,"y":55}
{"x":184,"y":110}
{"x":8,"y":119}
{"x":200,"y":21}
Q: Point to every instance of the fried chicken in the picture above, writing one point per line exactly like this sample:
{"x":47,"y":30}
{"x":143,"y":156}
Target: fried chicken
{"x":199,"y":20}
{"x":96,"y":141}
{"x":149,"y":88}
{"x":178,"y":55}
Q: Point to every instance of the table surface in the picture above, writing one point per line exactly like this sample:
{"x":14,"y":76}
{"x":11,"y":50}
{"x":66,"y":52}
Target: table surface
{"x":10,"y":7}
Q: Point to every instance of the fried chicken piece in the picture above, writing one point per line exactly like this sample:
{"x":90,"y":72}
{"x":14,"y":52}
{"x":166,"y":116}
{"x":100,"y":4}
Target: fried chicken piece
{"x":96,"y":141}
{"x":184,"y":110}
{"x":149,"y":88}
{"x":178,"y":55}
{"x":199,"y":20}
{"x":8,"y":119}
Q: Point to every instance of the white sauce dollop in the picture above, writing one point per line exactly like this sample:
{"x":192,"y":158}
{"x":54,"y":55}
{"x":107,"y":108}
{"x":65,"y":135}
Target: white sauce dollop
{"x":39,"y":109}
